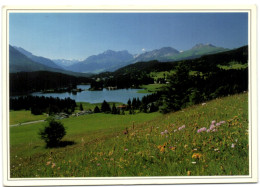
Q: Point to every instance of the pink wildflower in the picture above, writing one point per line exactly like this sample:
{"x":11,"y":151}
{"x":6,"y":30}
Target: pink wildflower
{"x":165,"y":132}
{"x":182,"y":127}
{"x":233,"y":145}
{"x":218,"y":124}
{"x":213,"y":122}
{"x":201,"y":129}
{"x":162,"y":133}
{"x":212,"y":126}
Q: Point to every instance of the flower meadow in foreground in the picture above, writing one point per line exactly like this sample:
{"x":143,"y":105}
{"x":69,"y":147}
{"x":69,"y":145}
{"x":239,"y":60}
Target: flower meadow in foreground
{"x":212,"y":127}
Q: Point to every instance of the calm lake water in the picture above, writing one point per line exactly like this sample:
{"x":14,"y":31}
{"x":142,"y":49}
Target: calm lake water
{"x":120,"y":95}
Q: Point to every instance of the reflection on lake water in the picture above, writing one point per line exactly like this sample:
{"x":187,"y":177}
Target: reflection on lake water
{"x":120,"y":95}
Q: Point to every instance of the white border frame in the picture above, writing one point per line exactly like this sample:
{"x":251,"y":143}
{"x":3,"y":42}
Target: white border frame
{"x":252,"y":177}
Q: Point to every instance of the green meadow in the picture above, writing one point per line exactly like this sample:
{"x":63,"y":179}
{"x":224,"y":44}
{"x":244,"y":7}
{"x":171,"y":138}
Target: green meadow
{"x":23,"y":116}
{"x":151,"y":88}
{"x":206,"y":139}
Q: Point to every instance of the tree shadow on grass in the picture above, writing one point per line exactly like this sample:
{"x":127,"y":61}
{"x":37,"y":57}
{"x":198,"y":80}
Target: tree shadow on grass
{"x":61,"y":144}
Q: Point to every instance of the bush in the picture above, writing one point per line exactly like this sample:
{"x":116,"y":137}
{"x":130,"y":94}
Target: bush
{"x":52,"y":133}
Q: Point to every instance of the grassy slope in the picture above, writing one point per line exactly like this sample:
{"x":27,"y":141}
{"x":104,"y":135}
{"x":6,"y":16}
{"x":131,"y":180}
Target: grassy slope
{"x":102,"y":149}
{"x":22,"y":116}
{"x":151,"y":88}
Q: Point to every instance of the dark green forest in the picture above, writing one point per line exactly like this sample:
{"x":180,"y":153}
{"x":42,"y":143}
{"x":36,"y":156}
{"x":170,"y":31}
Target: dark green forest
{"x":28,"y":82}
{"x":39,"y":105}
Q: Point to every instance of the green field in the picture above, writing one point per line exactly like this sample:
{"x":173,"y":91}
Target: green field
{"x":151,"y":88}
{"x":155,"y":144}
{"x":22,"y":116}
{"x":234,"y":66}
{"x":162,"y":74}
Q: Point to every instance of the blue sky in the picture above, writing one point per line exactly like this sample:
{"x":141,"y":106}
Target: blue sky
{"x":79,"y":35}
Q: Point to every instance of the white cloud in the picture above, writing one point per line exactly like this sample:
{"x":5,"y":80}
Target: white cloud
{"x":143,"y":50}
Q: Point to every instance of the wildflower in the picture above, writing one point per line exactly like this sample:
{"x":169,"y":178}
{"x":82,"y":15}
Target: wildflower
{"x":213,"y":122}
{"x":182,"y":127}
{"x":165,"y":132}
{"x":53,"y":165}
{"x":221,"y":122}
{"x":98,"y":164}
{"x":212,"y":126}
{"x":203,"y":104}
{"x":172,"y":148}
{"x":195,"y":149}
{"x":196,"y":155}
{"x":48,"y":163}
{"x":175,"y":130}
{"x":216,"y":149}
{"x":208,"y":130}
{"x":218,"y":124}
{"x":201,"y":129}
{"x":162,"y":133}
{"x":233,"y":145}
{"x":126,"y":149}
{"x":193,"y":162}
{"x":162,"y":147}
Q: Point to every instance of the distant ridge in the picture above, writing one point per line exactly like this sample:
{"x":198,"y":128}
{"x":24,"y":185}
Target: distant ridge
{"x":111,"y":60}
{"x":18,"y":62}
{"x":39,"y":59}
{"x":106,"y":61}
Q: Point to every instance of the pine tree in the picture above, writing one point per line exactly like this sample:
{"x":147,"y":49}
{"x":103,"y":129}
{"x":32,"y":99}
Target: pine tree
{"x":105,"y":107}
{"x":134,"y":103}
{"x":114,"y":109}
{"x":129,"y":104}
{"x":96,"y":110}
{"x":81,"y":107}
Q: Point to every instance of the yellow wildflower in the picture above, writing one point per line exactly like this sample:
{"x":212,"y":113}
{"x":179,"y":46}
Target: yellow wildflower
{"x":162,"y":147}
{"x":196,"y":155}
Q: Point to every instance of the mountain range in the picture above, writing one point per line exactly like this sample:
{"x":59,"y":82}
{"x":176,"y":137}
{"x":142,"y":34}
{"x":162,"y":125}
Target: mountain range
{"x":19,"y":62}
{"x":22,"y":60}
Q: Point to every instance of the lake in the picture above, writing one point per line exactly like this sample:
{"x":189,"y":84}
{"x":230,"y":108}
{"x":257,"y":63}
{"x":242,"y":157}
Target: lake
{"x":120,"y":95}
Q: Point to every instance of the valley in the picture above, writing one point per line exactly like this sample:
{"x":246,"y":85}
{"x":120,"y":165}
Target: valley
{"x":189,"y":116}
